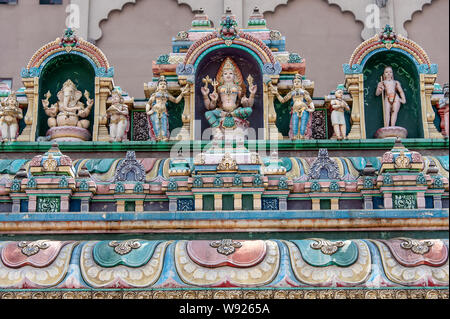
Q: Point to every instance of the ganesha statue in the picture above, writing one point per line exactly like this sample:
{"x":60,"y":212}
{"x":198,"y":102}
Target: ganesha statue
{"x":67,"y":117}
{"x":228,"y":106}
{"x":10,"y":115}
{"x":118,"y":117}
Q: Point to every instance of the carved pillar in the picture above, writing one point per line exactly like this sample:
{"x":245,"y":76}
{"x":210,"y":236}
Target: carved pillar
{"x":172,"y":204}
{"x":139,"y":206}
{"x":32,"y":92}
{"x":334,"y":203}
{"x":437,"y":201}
{"x":188,"y":114}
{"x":387,"y":197}
{"x":257,"y":201}
{"x":421,"y":200}
{"x":237,"y":201}
{"x":120,"y":206}
{"x":217,"y":201}
{"x":103,"y":88}
{"x":15,"y":205}
{"x":428,"y":115}
{"x":270,"y":116}
{"x":368,"y":202}
{"x":315,"y":203}
{"x":84,"y":205}
{"x":32,"y":203}
{"x":198,"y":202}
{"x":355,"y":86}
{"x":64,"y":206}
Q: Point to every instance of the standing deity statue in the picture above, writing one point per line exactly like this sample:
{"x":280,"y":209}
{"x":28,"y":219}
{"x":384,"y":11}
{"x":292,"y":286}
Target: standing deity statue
{"x":118,"y":116}
{"x":392,"y":95}
{"x":228,"y":106}
{"x":156,"y":109}
{"x":302,"y":106}
{"x":10,"y":115}
{"x":339,"y":106}
{"x":443,"y":112}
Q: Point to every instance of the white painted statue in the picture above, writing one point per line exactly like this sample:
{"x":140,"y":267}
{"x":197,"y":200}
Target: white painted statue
{"x":10,"y":115}
{"x":118,"y":116}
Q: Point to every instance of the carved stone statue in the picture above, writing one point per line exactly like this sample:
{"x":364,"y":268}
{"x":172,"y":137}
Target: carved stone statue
{"x":339,"y":106}
{"x":393,"y":96}
{"x":69,"y":112}
{"x":156,"y":109}
{"x":228,"y":106}
{"x":443,"y":112}
{"x":118,"y":116}
{"x":10,"y":115}
{"x":302,"y":106}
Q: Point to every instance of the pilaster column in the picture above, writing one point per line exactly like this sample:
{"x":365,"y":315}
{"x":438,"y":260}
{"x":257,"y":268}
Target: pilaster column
{"x":198,"y":202}
{"x":217,"y":201}
{"x":257,"y":201}
{"x":387,"y":197}
{"x":315,"y":203}
{"x":237,"y":201}
{"x":354,"y":85}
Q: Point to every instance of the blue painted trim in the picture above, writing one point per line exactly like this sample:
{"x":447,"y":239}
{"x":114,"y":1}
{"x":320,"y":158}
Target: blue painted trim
{"x":216,"y":215}
{"x":99,"y":71}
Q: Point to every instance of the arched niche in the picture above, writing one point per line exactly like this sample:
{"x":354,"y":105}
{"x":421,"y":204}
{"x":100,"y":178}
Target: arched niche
{"x":405,"y":71}
{"x":247,"y":63}
{"x":53,"y":75}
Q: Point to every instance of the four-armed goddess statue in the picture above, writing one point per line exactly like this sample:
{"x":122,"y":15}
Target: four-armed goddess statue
{"x":302,"y":106}
{"x":228,"y":106}
{"x":64,"y":116}
{"x":10,"y":115}
{"x":156,"y":109}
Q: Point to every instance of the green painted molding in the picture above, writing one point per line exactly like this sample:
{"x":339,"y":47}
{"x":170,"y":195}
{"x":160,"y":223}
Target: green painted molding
{"x":374,"y":144}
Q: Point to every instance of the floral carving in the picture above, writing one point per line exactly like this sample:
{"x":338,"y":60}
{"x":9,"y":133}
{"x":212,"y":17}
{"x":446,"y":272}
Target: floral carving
{"x":226,"y":246}
{"x":124,"y":247}
{"x":327,"y":247}
{"x":419,"y":247}
{"x":30,"y":248}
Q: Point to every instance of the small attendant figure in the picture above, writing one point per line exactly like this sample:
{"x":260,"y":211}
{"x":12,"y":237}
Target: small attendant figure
{"x":118,"y":116}
{"x":156,"y":109}
{"x":10,"y":115}
{"x":339,"y":106}
{"x":302,"y":106}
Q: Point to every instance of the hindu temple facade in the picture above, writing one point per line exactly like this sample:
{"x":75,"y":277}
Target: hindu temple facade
{"x":230,"y":179}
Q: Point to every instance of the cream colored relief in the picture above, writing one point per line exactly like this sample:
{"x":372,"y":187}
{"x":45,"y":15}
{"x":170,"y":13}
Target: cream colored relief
{"x":34,"y":277}
{"x":330,"y":275}
{"x":101,"y":277}
{"x":258,"y":275}
{"x":411,"y":275}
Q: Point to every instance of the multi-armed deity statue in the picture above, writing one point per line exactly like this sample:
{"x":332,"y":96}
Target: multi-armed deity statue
{"x":392,"y":97}
{"x":302,"y":106}
{"x":339,"y":106}
{"x":10,"y":115}
{"x":119,"y":119}
{"x":67,"y":117}
{"x":156,"y":109}
{"x":228,"y":106}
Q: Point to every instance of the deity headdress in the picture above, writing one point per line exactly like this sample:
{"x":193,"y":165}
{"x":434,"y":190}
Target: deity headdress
{"x":162,"y":78}
{"x":116,"y":92}
{"x":229,"y":64}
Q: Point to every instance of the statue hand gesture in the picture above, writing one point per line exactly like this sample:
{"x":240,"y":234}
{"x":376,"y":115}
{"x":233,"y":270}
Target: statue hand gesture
{"x":214,"y":96}
{"x":205,"y":91}
{"x":273,"y":89}
{"x":253,"y":89}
